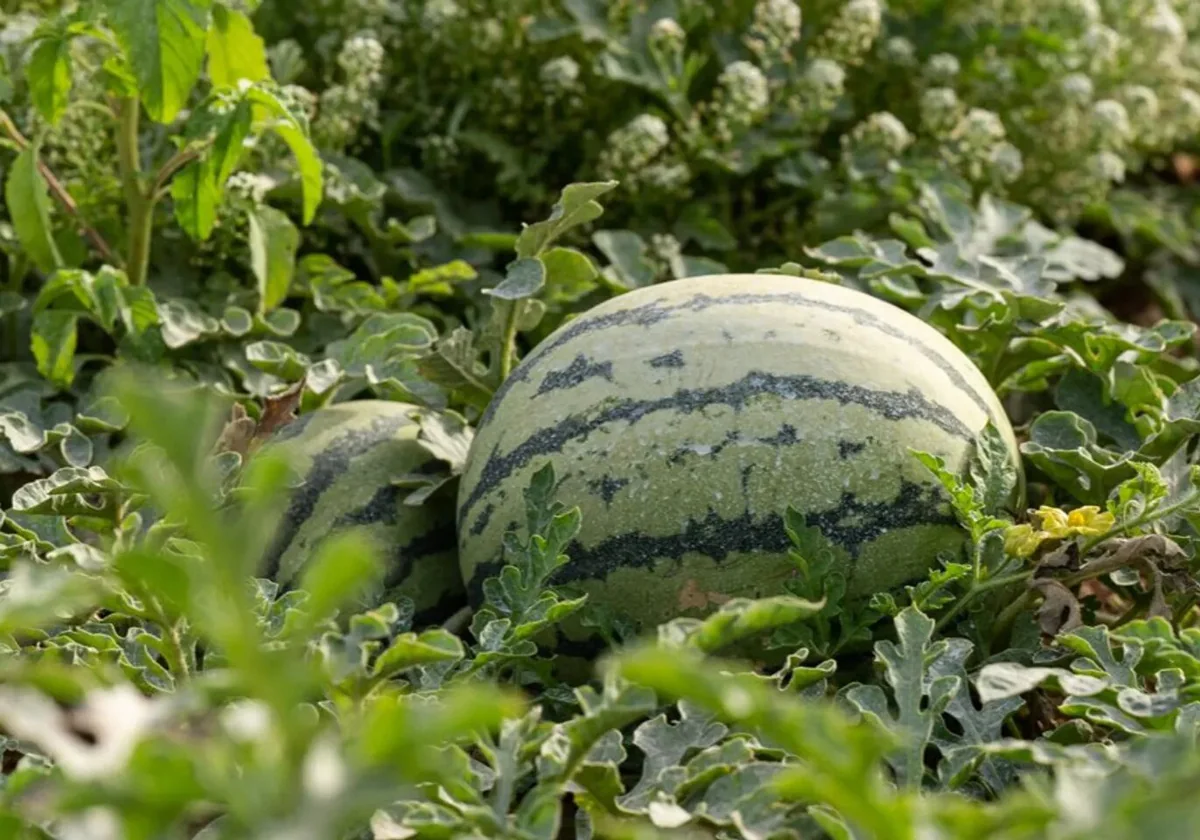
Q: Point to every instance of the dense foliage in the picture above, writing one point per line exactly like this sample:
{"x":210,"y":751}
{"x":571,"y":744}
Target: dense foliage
{"x":219,"y":213}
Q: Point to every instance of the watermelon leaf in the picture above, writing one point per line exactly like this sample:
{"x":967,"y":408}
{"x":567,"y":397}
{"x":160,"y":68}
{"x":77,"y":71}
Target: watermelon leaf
{"x":920,"y":695}
{"x":739,"y":619}
{"x":961,"y":746}
{"x":820,"y":578}
{"x":71,"y":491}
{"x":664,"y":744}
{"x":519,"y":602}
{"x":411,"y":650}
{"x":453,"y":364}
{"x":41,"y":594}
{"x":576,"y":206}
{"x":833,"y":751}
{"x":993,"y":472}
{"x":524,"y":279}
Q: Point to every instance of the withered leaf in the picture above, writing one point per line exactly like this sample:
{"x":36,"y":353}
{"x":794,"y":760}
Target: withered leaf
{"x":1059,"y":612}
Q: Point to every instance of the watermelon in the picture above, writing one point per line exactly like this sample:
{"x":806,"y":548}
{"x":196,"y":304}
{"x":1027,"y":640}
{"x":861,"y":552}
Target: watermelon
{"x":347,"y":457}
{"x":685,"y":418}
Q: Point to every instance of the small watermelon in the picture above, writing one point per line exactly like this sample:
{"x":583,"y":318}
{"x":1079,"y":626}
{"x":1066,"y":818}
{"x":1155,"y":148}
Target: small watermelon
{"x":348,"y":457}
{"x":684,"y":418}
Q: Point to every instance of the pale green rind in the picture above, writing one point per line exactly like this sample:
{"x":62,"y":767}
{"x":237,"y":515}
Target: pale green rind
{"x":348,"y":457}
{"x":693,"y":413}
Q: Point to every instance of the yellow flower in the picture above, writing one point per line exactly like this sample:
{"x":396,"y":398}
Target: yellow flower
{"x":1089,"y":521}
{"x":1053,"y":521}
{"x":1022,"y":540}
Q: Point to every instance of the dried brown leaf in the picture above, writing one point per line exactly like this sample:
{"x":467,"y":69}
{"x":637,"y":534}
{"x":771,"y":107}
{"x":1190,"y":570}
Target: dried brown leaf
{"x":1059,"y":612}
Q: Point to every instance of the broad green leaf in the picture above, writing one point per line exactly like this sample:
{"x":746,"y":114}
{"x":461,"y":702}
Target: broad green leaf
{"x":274,"y":241}
{"x":70,"y":491}
{"x":28,"y":200}
{"x":454,"y":364}
{"x":441,"y":279}
{"x":49,"y":76}
{"x":524,"y":279}
{"x":576,"y":206}
{"x":197,"y":190}
{"x":697,"y":224}
{"x":285,"y":124}
{"x":235,"y":51}
{"x":183,"y":322}
{"x":742,"y":618}
{"x":1063,"y":445}
{"x":164,"y":42}
{"x":447,"y":436}
{"x":570,"y":274}
{"x":410,"y":650}
{"x":53,"y":345}
{"x":277,"y":359}
{"x":631,"y":266}
{"x":40,"y":595}
{"x":22,"y":433}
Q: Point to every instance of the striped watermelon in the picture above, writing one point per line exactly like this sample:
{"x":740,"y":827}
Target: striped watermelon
{"x":685,"y":417}
{"x":348,"y":456}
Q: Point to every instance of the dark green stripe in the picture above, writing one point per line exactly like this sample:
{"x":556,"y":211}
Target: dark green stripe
{"x":578,"y":372}
{"x":384,"y":509}
{"x":850,"y":525}
{"x":892,"y":405}
{"x":327,"y":466}
{"x":656,"y":312}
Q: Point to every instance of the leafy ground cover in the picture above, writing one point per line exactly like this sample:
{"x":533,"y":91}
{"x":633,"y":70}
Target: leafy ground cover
{"x":244,"y":210}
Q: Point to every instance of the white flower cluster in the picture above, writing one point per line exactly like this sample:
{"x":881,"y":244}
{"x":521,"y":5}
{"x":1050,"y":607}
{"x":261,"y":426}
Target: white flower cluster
{"x":979,"y":143}
{"x":559,"y":75}
{"x":361,"y":59}
{"x":249,"y":187}
{"x":900,"y":51}
{"x":667,"y":37}
{"x":881,"y":136}
{"x":667,"y":176}
{"x":1119,"y":86}
{"x":633,"y":146}
{"x":742,"y":95}
{"x":775,"y":30}
{"x":942,"y":69}
{"x":666,"y":248}
{"x":438,"y":13}
{"x":345,"y":108}
{"x":851,"y":33}
{"x":826,"y":81}
{"x":1110,"y":120}
{"x":940,"y":111}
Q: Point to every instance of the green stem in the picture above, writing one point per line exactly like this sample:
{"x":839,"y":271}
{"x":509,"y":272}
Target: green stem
{"x":176,"y":654}
{"x":139,"y":204}
{"x":1009,"y":614}
{"x":507,"y":341}
{"x":1138,"y":521}
{"x":977,"y":590}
